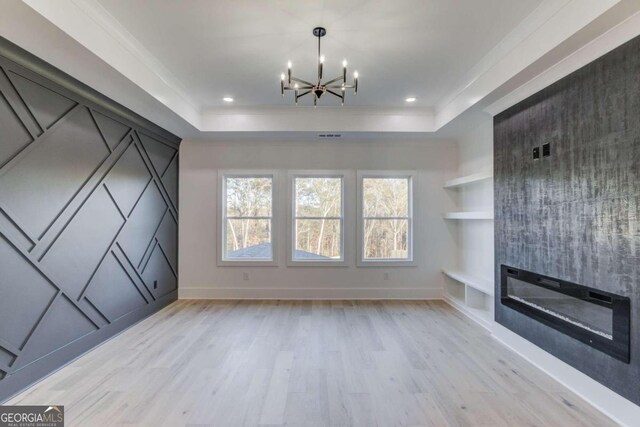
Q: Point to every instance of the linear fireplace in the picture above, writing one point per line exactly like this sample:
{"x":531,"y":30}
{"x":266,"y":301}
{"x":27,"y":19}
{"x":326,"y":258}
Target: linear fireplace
{"x":597,"y":318}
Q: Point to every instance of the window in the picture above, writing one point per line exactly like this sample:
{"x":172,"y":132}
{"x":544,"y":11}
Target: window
{"x":247,"y":218}
{"x":318,"y":218}
{"x":386,"y":212}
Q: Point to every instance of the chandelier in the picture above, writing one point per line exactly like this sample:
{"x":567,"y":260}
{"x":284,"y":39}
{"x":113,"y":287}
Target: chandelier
{"x":337,"y":86}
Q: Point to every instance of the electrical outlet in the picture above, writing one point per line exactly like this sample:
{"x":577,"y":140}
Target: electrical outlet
{"x":245,"y":276}
{"x":155,"y":284}
{"x":536,"y":153}
{"x":386,"y":276}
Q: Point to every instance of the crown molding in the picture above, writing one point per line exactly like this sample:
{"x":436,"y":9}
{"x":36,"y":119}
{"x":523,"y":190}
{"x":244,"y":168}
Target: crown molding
{"x":616,"y":36}
{"x":524,"y":29}
{"x":553,"y":22}
{"x":87,"y":22}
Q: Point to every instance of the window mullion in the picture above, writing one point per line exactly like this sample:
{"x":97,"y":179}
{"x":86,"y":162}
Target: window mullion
{"x":386,"y":217}
{"x":319,"y":218}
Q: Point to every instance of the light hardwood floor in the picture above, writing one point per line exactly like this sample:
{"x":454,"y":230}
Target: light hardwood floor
{"x":337,"y":363}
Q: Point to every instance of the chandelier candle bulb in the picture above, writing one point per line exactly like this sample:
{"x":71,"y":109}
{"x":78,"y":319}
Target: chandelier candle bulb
{"x":282,"y":84}
{"x":289,"y":71}
{"x":344,"y":71}
{"x":355,"y":82}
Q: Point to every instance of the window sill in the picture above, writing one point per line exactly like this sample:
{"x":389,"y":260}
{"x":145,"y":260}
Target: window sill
{"x":247,"y":263}
{"x":387,"y":264}
{"x":320,"y":264}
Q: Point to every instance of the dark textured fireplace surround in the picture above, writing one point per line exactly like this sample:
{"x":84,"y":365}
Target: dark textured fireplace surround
{"x":573,"y":213}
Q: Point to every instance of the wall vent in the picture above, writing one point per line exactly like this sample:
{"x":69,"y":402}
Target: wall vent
{"x":329,"y":135}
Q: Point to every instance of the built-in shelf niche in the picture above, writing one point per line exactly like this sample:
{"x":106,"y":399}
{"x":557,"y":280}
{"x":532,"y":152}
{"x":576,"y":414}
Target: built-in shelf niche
{"x":467,"y":292}
{"x":471,"y":295}
{"x":483,"y":285}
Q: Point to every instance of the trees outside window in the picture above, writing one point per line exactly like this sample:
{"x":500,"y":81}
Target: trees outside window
{"x":318,"y":218}
{"x":247,"y":218}
{"x":386,"y":218}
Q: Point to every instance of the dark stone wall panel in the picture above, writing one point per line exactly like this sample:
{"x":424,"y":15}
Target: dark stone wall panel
{"x":81,"y":214}
{"x":575,"y":215}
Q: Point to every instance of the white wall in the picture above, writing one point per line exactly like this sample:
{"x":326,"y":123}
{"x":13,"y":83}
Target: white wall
{"x":475,"y":239}
{"x":200,"y":277}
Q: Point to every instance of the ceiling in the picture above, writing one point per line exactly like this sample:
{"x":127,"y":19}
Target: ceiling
{"x":173,"y":61}
{"x":238,"y":48}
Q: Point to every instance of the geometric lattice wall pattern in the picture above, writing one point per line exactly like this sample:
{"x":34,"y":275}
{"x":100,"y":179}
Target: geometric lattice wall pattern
{"x":88,"y":224}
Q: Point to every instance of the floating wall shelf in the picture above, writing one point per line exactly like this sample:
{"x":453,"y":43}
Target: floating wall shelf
{"x":469,"y":215}
{"x":469,"y":179}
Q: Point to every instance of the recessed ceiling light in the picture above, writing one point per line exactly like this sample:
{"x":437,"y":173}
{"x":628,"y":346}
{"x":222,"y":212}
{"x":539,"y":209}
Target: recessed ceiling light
{"x":227,"y":99}
{"x":411,"y":99}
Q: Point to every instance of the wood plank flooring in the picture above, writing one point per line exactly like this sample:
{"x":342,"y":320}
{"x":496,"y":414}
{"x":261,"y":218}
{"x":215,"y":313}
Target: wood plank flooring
{"x":302,"y":363}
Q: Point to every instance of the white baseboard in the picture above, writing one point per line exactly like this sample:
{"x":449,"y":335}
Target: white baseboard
{"x":607,"y":401}
{"x":311,"y":293}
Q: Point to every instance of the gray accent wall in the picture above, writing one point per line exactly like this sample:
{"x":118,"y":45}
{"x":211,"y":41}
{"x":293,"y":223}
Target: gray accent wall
{"x":575,"y":215}
{"x":88,"y":218}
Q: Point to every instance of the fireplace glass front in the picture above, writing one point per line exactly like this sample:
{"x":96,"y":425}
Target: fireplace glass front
{"x":597,"y":318}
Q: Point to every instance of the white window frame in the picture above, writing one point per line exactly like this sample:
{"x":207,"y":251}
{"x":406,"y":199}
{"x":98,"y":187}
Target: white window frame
{"x":345,"y":223}
{"x":389,"y":262}
{"x":222,"y":218}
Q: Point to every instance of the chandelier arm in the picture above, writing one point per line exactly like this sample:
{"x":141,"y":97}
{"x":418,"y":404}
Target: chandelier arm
{"x":304,"y":82}
{"x":297,"y":88}
{"x":340,"y":87}
{"x":300,"y":95}
{"x":337,"y":79}
{"x":334,"y":93}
